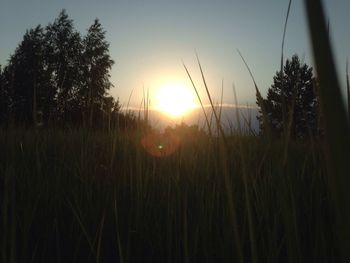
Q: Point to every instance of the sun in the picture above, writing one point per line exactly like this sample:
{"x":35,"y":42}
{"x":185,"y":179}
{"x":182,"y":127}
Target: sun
{"x":174,"y":99}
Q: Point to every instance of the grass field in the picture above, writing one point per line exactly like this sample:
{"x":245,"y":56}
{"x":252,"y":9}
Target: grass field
{"x":98,"y":197}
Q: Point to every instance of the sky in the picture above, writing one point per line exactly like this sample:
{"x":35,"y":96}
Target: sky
{"x":150,"y":39}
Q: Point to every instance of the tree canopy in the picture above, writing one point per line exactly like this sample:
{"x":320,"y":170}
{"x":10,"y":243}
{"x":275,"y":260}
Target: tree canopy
{"x":58,"y":77}
{"x":291,"y":104}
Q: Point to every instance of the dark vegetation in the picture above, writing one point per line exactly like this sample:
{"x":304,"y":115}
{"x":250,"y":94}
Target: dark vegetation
{"x":58,"y":78}
{"x":82,"y":182}
{"x":291,"y":102}
{"x":74,"y":196}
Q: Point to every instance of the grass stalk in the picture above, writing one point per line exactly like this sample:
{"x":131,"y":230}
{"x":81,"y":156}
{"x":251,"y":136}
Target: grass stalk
{"x":210,"y":100}
{"x":127,"y":105}
{"x":284,"y":110}
{"x":348,"y":87}
{"x":221,"y":100}
{"x":119,"y":243}
{"x":259,"y":97}
{"x":199,"y":99}
{"x":99,"y":237}
{"x":335,"y":119}
{"x":237,"y":110}
{"x":77,"y":216}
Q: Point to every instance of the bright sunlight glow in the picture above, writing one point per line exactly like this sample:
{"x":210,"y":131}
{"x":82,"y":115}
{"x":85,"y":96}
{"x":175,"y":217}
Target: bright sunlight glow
{"x":174,"y":100}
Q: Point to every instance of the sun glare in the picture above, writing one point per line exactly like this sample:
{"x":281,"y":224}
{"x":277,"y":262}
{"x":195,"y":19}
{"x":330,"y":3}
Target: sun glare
{"x":174,"y":100}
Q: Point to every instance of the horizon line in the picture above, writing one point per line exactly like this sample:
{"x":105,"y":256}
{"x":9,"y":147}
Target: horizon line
{"x":224,"y":105}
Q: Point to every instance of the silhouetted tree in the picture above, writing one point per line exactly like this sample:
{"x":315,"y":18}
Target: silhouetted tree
{"x":63,"y":53}
{"x":4,"y":99}
{"x":294,"y":88}
{"x":27,"y":78}
{"x":6,"y":94}
{"x":96,"y":66}
{"x":64,"y":79}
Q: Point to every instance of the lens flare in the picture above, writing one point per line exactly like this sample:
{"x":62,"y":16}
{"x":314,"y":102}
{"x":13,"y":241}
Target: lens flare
{"x":160,"y":145}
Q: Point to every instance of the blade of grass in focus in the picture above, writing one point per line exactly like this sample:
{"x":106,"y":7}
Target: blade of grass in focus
{"x":127,"y":105}
{"x":199,"y":98}
{"x":221,"y":100}
{"x":286,"y":120}
{"x":222,"y":154}
{"x":237,"y":110}
{"x":348,"y":86}
{"x":335,"y":120}
{"x":259,"y":97}
{"x":284,"y":112}
{"x":210,"y":100}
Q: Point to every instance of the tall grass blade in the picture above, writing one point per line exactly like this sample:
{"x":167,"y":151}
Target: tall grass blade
{"x":237,"y":109}
{"x":248,"y":124}
{"x":232,"y":208}
{"x":284,"y":111}
{"x":199,"y":98}
{"x":249,"y":117}
{"x":259,"y":97}
{"x":211,"y":118}
{"x":284,"y":34}
{"x":348,"y":86}
{"x":77,"y":216}
{"x":336,"y":124}
{"x":99,"y":238}
{"x":127,"y":106}
{"x":221,"y":100}
{"x":148,"y":101}
{"x":139,"y":111}
{"x":120,"y":249}
{"x":210,"y":100}
{"x":144,"y":102}
{"x":328,"y":26}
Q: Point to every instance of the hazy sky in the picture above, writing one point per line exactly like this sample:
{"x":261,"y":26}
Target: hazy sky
{"x":149,"y":39}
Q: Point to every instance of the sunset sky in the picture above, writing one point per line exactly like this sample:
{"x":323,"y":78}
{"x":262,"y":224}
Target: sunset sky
{"x":149,"y":39}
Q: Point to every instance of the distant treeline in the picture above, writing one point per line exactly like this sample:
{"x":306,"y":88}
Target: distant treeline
{"x":56,"y":77}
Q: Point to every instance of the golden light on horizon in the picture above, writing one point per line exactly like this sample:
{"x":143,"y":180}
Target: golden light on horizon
{"x":175,"y":100}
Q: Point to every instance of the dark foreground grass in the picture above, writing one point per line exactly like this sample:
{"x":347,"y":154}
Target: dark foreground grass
{"x":73,"y":196}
